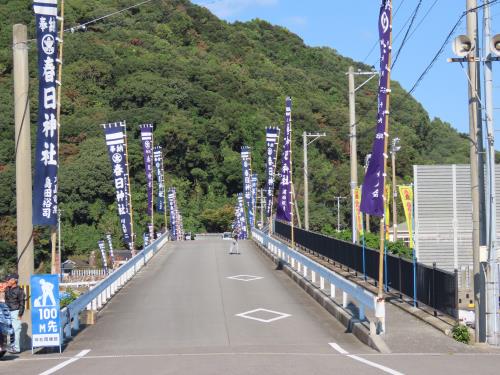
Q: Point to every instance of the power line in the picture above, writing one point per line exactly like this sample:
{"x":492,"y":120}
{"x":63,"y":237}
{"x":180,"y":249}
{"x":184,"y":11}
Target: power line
{"x":405,"y":38}
{"x":446,"y":41}
{"x":84,"y":25}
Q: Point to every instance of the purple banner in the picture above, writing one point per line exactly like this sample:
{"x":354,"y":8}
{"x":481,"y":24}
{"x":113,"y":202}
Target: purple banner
{"x":272,"y":140}
{"x":147,"y":148}
{"x":47,"y":152}
{"x":102,"y":247}
{"x":243,"y":222}
{"x":284,"y":210}
{"x":255,"y":181}
{"x":246,"y":163}
{"x":117,"y":150}
{"x":173,"y":213}
{"x":372,"y":199}
{"x":111,"y":252}
{"x":160,"y":176}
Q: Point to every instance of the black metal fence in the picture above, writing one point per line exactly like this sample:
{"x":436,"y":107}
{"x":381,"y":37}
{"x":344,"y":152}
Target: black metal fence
{"x":435,"y":288}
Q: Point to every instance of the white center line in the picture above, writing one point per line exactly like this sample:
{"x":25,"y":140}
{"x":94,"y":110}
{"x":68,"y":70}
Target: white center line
{"x":65,"y":363}
{"x":365,"y":361}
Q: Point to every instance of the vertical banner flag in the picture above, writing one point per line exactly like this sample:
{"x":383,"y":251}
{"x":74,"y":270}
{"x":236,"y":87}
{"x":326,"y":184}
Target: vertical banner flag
{"x":247,"y":180}
{"x":243,"y":220}
{"x":45,"y":311}
{"x":117,"y":149}
{"x":111,"y":252}
{"x":46,"y":153}
{"x":406,"y":194}
{"x":255,"y":180}
{"x":372,"y":201}
{"x":102,"y":247}
{"x":173,"y":214}
{"x":160,"y":176}
{"x":284,"y":210}
{"x":147,"y":149}
{"x":386,"y":211}
{"x":272,"y":139}
{"x":357,"y":211}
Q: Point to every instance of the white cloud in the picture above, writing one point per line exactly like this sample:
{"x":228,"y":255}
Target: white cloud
{"x":228,"y":8}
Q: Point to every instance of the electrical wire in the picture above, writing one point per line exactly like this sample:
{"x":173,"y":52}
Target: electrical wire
{"x":405,"y":38}
{"x":84,"y":25}
{"x":446,"y":41}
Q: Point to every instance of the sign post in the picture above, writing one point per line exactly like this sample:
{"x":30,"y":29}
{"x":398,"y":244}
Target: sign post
{"x":45,"y":311}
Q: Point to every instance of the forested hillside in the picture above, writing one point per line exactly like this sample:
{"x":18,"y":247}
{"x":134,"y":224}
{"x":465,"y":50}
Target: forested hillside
{"x":209,"y":87}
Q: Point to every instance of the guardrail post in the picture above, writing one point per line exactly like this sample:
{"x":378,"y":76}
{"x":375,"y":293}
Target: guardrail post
{"x":313,"y":277}
{"x":99,"y":301}
{"x":94,"y":304}
{"x":293,"y":263}
{"x":400,"y":291}
{"x":344,"y":299}
{"x":299,"y":267}
{"x":361,"y":312}
{"x":305,"y":271}
{"x":321,"y":283}
{"x":434,"y":288}
{"x":332,"y":290}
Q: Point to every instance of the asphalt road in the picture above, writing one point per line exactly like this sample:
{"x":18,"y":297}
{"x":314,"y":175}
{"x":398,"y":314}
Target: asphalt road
{"x":186,"y":313}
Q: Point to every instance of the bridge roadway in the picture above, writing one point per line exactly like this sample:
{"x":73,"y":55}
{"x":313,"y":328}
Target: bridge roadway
{"x":179,"y":315}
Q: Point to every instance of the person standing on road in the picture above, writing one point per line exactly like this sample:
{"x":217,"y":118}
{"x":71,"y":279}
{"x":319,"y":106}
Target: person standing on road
{"x":14,"y":299}
{"x":234,"y":245}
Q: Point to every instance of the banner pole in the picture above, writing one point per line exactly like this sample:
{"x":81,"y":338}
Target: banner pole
{"x":132,"y":234}
{"x":55,"y":256}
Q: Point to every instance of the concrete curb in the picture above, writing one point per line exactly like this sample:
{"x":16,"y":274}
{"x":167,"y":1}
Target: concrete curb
{"x":353,"y":325}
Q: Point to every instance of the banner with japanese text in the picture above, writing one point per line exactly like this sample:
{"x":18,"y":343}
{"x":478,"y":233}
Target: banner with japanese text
{"x":147,"y":150}
{"x":284,"y":209}
{"x":243,"y":222}
{"x":102,"y":248}
{"x":359,"y":215}
{"x":47,"y":147}
{"x":272,"y":140}
{"x":117,"y":149}
{"x":247,"y":180}
{"x":160,"y":176}
{"x":255,"y":181}
{"x":406,"y":194}
{"x":111,"y":251}
{"x":372,"y":201}
{"x":173,"y":213}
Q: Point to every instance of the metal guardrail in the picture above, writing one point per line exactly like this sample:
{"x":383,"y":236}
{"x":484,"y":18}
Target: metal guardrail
{"x":97,"y":297}
{"x":305,"y":266}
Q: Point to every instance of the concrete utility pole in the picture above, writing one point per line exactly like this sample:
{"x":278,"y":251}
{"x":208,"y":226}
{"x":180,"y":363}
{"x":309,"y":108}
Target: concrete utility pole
{"x":353,"y":139}
{"x":25,"y":257}
{"x":491,"y":47}
{"x":306,"y":173}
{"x":476,"y":167}
{"x":338,"y":212}
{"x":394,"y":149}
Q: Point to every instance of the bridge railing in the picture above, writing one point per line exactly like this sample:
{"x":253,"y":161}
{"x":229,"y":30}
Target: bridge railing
{"x":97,"y":297}
{"x":351,"y":292}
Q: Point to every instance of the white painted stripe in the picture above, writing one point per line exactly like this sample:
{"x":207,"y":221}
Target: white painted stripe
{"x":117,"y":142}
{"x":117,"y":135}
{"x":65,"y":363}
{"x":362,"y":360}
{"x":46,"y":11}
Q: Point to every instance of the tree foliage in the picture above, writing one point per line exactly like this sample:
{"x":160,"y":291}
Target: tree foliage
{"x":209,"y":87}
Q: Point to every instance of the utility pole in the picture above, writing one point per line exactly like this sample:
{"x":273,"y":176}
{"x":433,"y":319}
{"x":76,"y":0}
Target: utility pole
{"x":394,"y":148}
{"x":353,"y":139}
{"x":338,"y":212}
{"x":306,"y":173}
{"x":25,"y":252}
{"x":491,"y":46}
{"x":299,"y":222}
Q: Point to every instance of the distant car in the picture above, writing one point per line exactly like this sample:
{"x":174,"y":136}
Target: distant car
{"x":226,"y":236}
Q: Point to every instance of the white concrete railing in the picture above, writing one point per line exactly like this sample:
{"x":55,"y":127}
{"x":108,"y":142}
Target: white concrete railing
{"x":88,"y":272}
{"x":311,"y":270}
{"x":97,"y":297}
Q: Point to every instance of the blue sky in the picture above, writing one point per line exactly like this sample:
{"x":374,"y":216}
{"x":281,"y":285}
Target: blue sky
{"x":350,"y":27}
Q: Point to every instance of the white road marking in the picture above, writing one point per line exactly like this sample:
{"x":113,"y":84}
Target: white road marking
{"x":365,"y":361}
{"x":247,"y":315}
{"x":65,"y":363}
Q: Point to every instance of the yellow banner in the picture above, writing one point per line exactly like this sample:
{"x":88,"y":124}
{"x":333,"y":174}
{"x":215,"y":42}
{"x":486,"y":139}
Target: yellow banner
{"x":406,"y":193}
{"x":359,"y":215}
{"x":386,"y":210}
